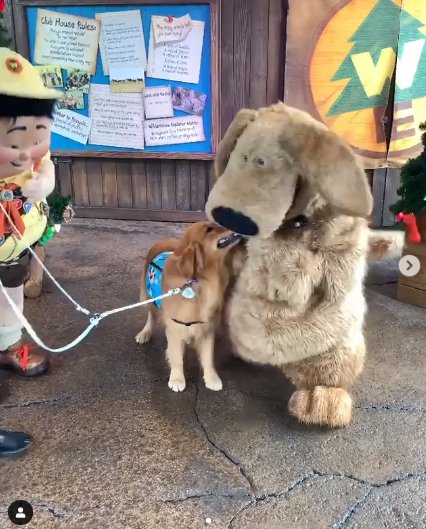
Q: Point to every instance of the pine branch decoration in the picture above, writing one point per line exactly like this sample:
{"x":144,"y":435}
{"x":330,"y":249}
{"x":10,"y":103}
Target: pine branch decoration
{"x":5,"y":41}
{"x":413,"y":183}
{"x":58,"y":204}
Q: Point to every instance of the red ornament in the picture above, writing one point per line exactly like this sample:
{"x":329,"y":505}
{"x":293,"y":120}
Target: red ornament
{"x":170,"y":17}
{"x":2,"y":5}
{"x":409,"y":220}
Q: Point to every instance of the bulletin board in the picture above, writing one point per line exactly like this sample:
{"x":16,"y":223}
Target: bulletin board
{"x":101,"y":111}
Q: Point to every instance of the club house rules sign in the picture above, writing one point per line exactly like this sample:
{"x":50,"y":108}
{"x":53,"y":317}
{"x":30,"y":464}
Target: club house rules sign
{"x":68,"y":40}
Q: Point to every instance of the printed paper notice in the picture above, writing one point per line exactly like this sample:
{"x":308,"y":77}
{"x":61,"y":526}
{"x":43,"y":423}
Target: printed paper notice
{"x":179,"y":61}
{"x":117,"y":118}
{"x":67,"y":40}
{"x":71,"y":125}
{"x":127,"y":80}
{"x":158,"y":102}
{"x":122,"y":41}
{"x":173,"y":131}
{"x":170,"y":29}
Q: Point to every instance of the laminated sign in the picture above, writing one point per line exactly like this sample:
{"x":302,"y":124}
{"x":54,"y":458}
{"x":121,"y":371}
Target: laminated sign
{"x":344,"y":76}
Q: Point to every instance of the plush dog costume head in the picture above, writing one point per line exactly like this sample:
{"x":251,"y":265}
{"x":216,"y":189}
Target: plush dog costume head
{"x":277,"y":163}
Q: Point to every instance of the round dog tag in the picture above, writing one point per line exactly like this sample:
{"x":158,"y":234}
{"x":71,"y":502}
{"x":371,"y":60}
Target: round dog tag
{"x":188,"y":293}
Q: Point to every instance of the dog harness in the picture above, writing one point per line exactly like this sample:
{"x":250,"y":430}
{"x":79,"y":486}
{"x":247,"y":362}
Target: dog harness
{"x":155,"y":275}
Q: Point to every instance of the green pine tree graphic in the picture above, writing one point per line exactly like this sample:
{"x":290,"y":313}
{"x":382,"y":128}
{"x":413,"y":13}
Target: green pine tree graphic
{"x":385,"y":24}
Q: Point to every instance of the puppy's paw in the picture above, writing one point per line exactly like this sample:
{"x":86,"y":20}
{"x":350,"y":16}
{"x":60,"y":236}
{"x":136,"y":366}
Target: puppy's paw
{"x":213,"y":382}
{"x":322,"y":406}
{"x":143,"y":337}
{"x":177,"y":383}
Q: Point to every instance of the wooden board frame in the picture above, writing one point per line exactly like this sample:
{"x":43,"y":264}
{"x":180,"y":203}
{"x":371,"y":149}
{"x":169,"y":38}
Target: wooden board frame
{"x":22,"y":46}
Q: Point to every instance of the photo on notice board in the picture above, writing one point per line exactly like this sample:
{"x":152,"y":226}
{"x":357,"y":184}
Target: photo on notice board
{"x":71,"y":125}
{"x":72,"y":100}
{"x":177,"y":61}
{"x":158,"y":102}
{"x":188,"y":100}
{"x":78,"y":80}
{"x":127,"y":80}
{"x":66,"y":40}
{"x":51,"y":75}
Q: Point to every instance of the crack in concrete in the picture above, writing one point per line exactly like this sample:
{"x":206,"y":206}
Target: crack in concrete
{"x":413,"y":408}
{"x":265,"y":498}
{"x":30,"y":403}
{"x":357,"y":506}
{"x":56,"y":512}
{"x":261,"y":500}
{"x":377,"y":485}
{"x":207,"y":495}
{"x":392,"y":407}
{"x":227,"y":456}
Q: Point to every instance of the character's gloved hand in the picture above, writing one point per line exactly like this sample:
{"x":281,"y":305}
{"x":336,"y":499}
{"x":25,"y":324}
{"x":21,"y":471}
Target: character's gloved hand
{"x":42,"y":182}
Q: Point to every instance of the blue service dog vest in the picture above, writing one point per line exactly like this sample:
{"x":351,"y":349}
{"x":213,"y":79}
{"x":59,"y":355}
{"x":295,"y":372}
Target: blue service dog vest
{"x":155,"y":275}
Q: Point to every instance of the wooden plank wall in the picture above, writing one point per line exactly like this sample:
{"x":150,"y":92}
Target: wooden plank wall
{"x":252,"y":51}
{"x":385,"y":184}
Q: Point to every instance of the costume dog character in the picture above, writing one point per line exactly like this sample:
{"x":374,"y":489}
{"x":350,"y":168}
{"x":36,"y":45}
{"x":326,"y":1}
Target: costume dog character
{"x":299,"y":194}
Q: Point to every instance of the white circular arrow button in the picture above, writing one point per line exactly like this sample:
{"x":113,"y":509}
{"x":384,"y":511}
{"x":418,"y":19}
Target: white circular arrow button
{"x":409,"y":265}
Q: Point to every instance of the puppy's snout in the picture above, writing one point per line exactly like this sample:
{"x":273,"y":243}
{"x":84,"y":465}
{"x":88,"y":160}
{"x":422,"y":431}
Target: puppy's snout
{"x":235,"y":221}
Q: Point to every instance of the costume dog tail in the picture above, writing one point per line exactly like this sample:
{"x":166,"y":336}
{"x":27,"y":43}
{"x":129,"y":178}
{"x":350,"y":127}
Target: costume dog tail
{"x":385,"y":244}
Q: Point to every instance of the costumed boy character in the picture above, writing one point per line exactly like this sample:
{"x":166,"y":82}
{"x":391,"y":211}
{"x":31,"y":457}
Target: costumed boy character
{"x":299,"y":194}
{"x":27,"y":176}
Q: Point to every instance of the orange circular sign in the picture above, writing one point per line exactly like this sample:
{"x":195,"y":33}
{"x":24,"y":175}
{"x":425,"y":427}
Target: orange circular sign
{"x":352,"y":68}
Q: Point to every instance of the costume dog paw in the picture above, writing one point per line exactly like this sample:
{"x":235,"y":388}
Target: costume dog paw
{"x":299,"y":194}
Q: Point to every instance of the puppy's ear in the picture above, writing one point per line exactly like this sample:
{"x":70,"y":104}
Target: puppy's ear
{"x":192,"y":260}
{"x":227,"y":145}
{"x":329,"y":163}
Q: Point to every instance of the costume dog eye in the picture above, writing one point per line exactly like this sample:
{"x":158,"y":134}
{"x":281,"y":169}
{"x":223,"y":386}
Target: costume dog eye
{"x":13,"y":147}
{"x":245,"y":158}
{"x":208,"y":230}
{"x":260,"y":162}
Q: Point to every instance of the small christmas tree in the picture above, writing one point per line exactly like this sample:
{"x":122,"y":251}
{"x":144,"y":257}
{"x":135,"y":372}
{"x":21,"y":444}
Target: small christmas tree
{"x":4,"y":35}
{"x":413,"y":183}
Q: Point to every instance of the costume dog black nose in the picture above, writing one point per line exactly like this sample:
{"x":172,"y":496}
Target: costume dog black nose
{"x":235,"y":221}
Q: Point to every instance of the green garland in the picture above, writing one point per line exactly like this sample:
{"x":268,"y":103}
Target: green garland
{"x":5,"y":41}
{"x":59,"y":207}
{"x":413,"y":183}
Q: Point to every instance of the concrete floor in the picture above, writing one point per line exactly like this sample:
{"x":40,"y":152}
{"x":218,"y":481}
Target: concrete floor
{"x":116,"y":449}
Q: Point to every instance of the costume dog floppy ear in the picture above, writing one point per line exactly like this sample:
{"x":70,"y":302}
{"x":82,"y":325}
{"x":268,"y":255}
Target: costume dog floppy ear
{"x":328,"y":162}
{"x":227,"y":145}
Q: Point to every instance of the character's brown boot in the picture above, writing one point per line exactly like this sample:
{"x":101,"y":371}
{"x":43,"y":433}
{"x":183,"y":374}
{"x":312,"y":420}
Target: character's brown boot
{"x":20,"y":360}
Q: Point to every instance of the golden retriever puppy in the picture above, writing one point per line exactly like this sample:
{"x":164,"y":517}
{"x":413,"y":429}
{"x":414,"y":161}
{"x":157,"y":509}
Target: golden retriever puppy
{"x":196,"y":264}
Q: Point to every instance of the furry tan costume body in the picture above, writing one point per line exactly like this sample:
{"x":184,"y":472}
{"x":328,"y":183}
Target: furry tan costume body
{"x":300,"y":195}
